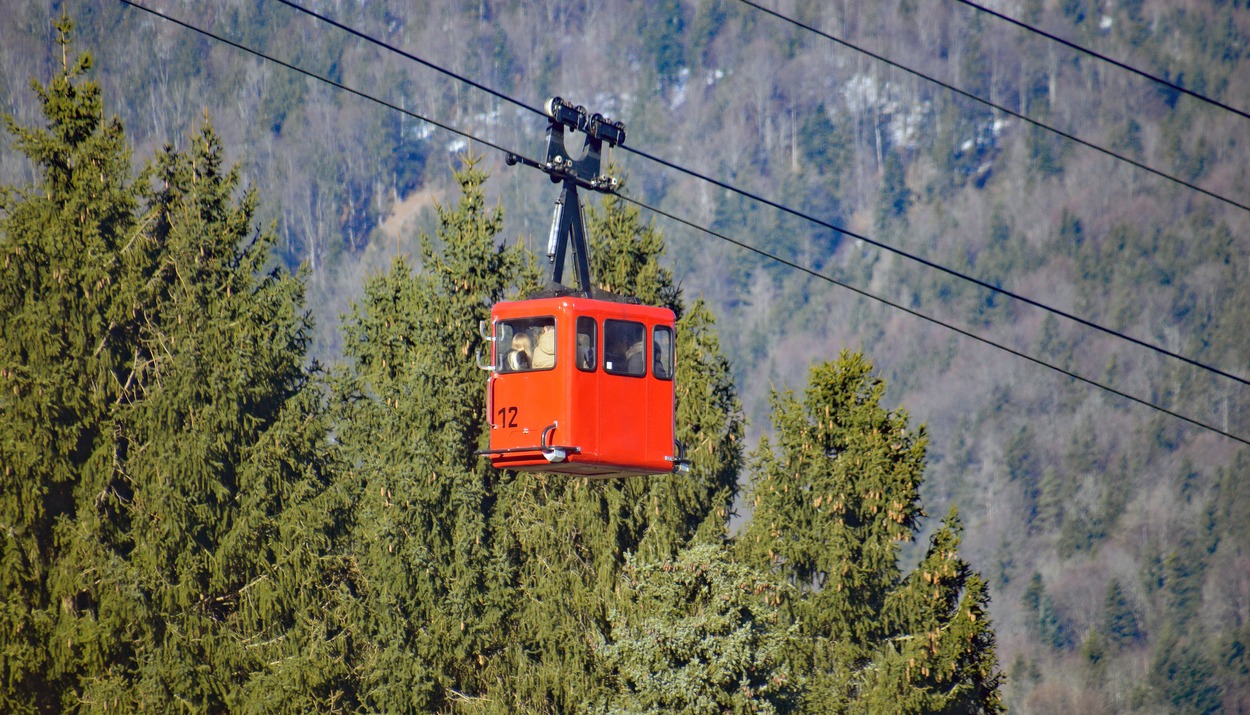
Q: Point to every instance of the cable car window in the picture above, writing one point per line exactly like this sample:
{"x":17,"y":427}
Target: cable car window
{"x":525,"y":344}
{"x":624,"y":348}
{"x":662,"y":352}
{"x":587,"y":343}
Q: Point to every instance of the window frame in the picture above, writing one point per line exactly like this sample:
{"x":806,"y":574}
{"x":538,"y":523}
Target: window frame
{"x":534,"y":324}
{"x":607,"y":342}
{"x":593,"y":365}
{"x":671,"y":363}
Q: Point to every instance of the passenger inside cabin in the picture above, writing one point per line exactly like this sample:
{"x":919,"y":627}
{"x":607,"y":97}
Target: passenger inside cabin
{"x":519,"y":356}
{"x":545,"y":350}
{"x":585,"y":352}
{"x":635,"y":359}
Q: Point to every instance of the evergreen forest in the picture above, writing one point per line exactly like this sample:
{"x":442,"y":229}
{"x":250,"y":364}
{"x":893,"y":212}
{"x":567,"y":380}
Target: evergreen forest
{"x":239,"y":401}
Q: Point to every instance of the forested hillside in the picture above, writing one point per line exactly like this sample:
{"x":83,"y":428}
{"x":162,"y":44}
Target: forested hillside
{"x":198,"y":517}
{"x":1112,"y":538}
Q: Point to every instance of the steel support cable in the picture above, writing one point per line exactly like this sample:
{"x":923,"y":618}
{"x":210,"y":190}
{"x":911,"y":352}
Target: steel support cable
{"x":755,"y":197}
{"x":949,"y":271}
{"x":314,"y":75}
{"x":661,"y":212}
{"x":1122,"y":65}
{"x":963,"y":93}
{"x":408,"y":55}
{"x":915,"y":313}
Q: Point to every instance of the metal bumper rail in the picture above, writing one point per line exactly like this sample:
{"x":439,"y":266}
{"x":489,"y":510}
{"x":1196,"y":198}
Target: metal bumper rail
{"x":552,"y":453}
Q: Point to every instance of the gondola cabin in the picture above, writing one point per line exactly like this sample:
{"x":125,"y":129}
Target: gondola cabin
{"x":582,"y":386}
{"x":581,"y":381}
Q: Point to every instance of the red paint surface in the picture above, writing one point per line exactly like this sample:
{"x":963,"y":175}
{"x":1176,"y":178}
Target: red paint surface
{"x":623,"y":425}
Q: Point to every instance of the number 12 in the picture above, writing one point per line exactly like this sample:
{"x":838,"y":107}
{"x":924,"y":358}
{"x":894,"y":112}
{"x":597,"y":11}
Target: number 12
{"x":507,"y":416}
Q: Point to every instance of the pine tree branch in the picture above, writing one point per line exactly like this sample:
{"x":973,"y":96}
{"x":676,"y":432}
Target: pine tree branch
{"x":457,"y":695}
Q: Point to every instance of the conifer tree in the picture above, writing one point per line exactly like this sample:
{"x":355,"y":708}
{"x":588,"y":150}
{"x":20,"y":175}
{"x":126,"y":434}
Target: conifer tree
{"x":1120,"y":624}
{"x":832,"y":503}
{"x":435,"y":564}
{"x":698,"y":634}
{"x":235,"y":516}
{"x":167,"y":478}
{"x":942,"y":658}
{"x":572,"y":536}
{"x":62,"y":359}
{"x":488,"y":591}
{"x":625,"y":256}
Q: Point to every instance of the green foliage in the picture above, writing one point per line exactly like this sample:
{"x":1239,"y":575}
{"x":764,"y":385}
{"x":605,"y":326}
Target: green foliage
{"x":1045,"y":151}
{"x":826,"y":145}
{"x":1094,"y":651}
{"x":895,"y":198}
{"x":168,"y":481}
{"x":662,"y":30}
{"x":199,"y":519}
{"x":1020,"y":456}
{"x":1120,"y":621}
{"x":944,"y":658}
{"x":1080,"y":531}
{"x":1232,"y":502}
{"x":1182,"y":574}
{"x":736,"y":216}
{"x":625,"y":253}
{"x":709,"y":19}
{"x":572,"y":538}
{"x":626,"y":257}
{"x":507,"y":580}
{"x":230,"y":411}
{"x":1184,"y":676}
{"x":1191,"y":157}
{"x":1052,"y":500}
{"x":698,"y":634}
{"x":711,"y":425}
{"x":1003,"y":254}
{"x":831,"y":505}
{"x":974,"y":70}
{"x":1045,"y":620}
{"x":434,"y":564}
{"x":1233,"y":667}
{"x":62,"y":359}
{"x":1127,"y":139}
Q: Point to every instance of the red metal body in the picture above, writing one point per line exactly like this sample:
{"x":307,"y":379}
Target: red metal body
{"x":580,"y":415}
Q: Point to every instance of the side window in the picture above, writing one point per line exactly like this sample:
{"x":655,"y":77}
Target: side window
{"x":587,"y":343}
{"x":525,"y":344}
{"x":662,"y":352}
{"x":624,"y":348}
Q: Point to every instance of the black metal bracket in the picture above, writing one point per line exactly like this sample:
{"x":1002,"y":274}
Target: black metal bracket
{"x":567,"y":223}
{"x":681,"y":464}
{"x":560,"y":165}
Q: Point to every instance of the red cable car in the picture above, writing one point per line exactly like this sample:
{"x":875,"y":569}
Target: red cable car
{"x":581,"y":380}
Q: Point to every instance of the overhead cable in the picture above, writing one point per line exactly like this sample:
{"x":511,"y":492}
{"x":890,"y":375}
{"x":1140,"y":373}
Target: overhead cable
{"x":314,"y":75}
{"x":994,"y":105}
{"x":410,"y":56}
{"x":949,"y":271}
{"x":798,"y":214}
{"x":915,"y":313}
{"x":791,"y":264}
{"x":1124,"y":66}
